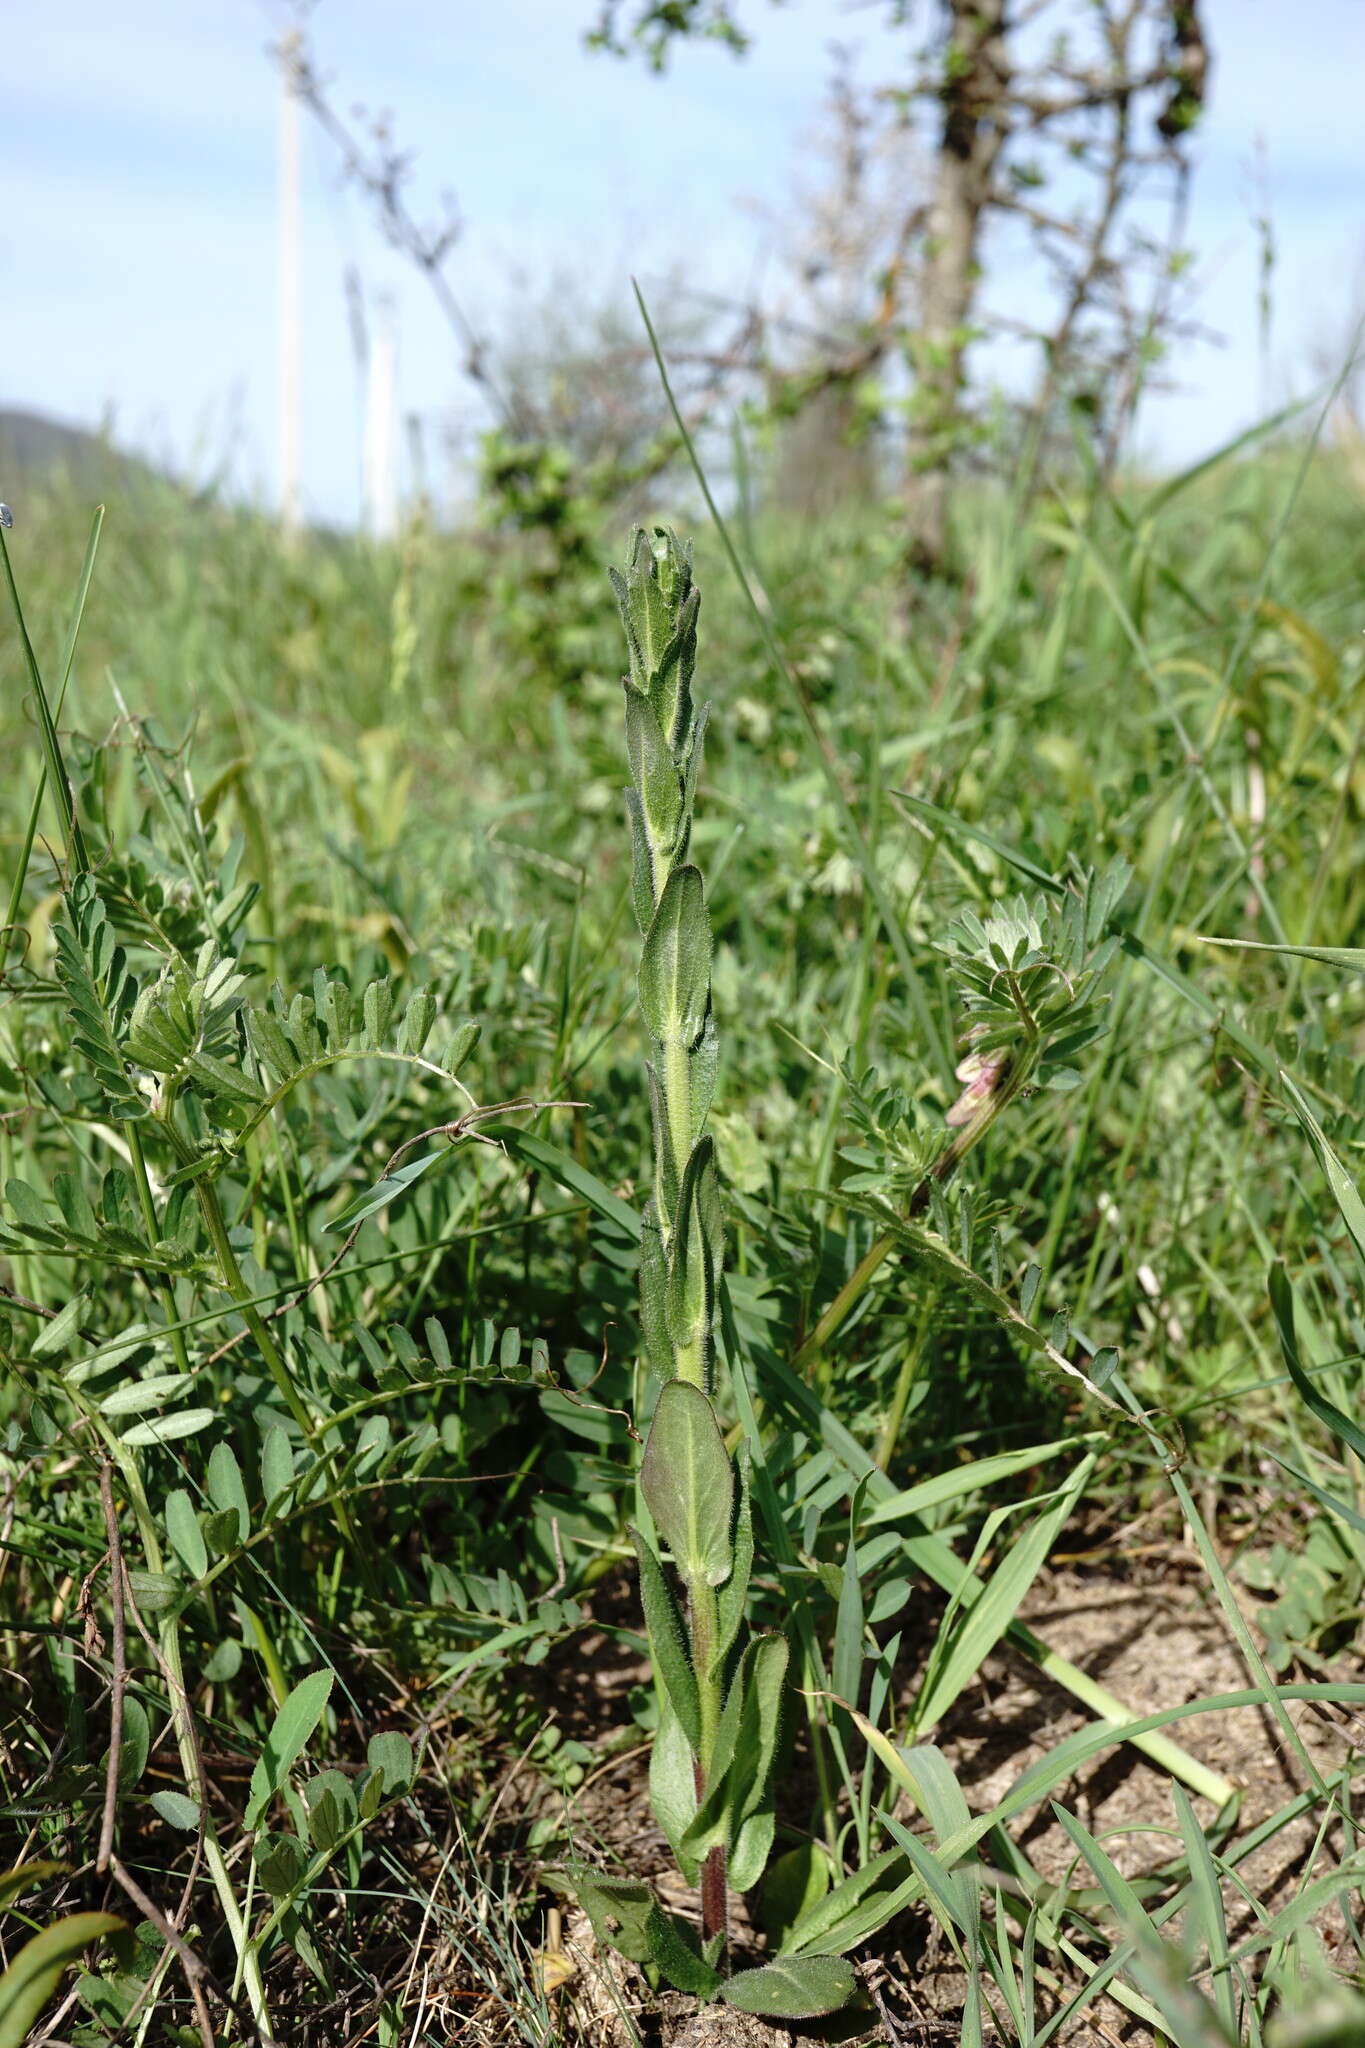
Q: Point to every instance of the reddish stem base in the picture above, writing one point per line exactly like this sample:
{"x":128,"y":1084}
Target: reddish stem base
{"x":714,"y":1904}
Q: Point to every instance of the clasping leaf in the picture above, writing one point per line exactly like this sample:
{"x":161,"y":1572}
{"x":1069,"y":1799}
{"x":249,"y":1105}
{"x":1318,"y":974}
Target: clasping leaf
{"x":688,"y":1483}
{"x":675,"y":964}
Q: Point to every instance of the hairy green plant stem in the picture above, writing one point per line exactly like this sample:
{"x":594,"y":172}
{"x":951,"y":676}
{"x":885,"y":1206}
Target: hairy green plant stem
{"x":659,"y":605}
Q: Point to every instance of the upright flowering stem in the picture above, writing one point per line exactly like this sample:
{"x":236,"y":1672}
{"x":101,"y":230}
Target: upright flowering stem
{"x":683,"y":1237}
{"x":664,"y":731}
{"x":719,"y":1694}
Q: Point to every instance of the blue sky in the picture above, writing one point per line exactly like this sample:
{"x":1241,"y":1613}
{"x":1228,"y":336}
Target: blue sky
{"x":137,"y":231}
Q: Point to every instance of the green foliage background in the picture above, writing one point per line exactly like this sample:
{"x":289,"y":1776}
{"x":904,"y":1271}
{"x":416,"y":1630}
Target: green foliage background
{"x":352,"y":819}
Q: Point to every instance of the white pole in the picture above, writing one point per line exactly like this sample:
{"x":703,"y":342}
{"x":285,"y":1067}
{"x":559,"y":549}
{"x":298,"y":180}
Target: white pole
{"x":381,"y":426}
{"x":288,"y":253}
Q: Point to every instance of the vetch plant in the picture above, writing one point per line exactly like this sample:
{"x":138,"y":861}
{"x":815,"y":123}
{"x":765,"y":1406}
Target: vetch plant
{"x":152,"y":1045}
{"x":720,"y":1705}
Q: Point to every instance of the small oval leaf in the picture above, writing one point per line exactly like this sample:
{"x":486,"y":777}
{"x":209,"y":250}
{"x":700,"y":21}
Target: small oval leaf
{"x":792,"y":1987}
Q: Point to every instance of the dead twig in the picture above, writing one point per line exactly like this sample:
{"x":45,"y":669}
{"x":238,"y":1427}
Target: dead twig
{"x":197,"y":1973}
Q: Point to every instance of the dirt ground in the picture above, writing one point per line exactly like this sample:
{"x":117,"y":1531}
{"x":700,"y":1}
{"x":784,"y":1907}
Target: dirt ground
{"x":1147,"y":1627}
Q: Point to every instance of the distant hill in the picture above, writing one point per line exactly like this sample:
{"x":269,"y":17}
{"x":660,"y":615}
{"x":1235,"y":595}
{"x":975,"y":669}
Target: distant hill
{"x":34,"y":448}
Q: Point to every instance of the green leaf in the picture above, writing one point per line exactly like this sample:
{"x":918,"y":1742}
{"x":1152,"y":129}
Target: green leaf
{"x":170,"y":1428}
{"x":1124,"y":1902}
{"x":566,"y":1173}
{"x":688,"y":1483}
{"x":100,"y":993}
{"x":668,"y":1640}
{"x":862,"y":1903}
{"x":388,"y":1189}
{"x":658,"y":1345}
{"x":671,"y":1949}
{"x":57,"y":1334}
{"x":673,"y":1787}
{"x":977,"y":1621}
{"x":378,"y":1009}
{"x":153,"y":1591}
{"x":667,"y":1164}
{"x":641,"y":862}
{"x":659,"y":605}
{"x":752,"y":1848}
{"x":1352,"y":957}
{"x":765,"y":1666}
{"x":293,"y":1725}
{"x":793,"y":1884}
{"x":1344,"y":1191}
{"x":266,"y":1036}
{"x":675,"y":963}
{"x":1207,"y":1917}
{"x":1103,"y":1365}
{"x":938,"y":1881}
{"x":618,"y":1907}
{"x":27,"y":1205}
{"x":331,"y":1805}
{"x":738,"y":1788}
{"x":281,"y":1864}
{"x":962,"y":1481}
{"x":418,"y":1019}
{"x":136,"y":1744}
{"x":654,"y":771}
{"x":277,"y":1463}
{"x":953,"y":1892}
{"x":177,"y":1810}
{"x":734,"y":1594}
{"x":1324,"y":1499}
{"x":846,"y":1664}
{"x":14,"y":1883}
{"x":391,"y":1753}
{"x":223,"y":1662}
{"x":149,"y":1393}
{"x":220,"y":1081}
{"x":1327,"y":1412}
{"x":37,"y":1970}
{"x":75,"y":1206}
{"x":792,"y":1987}
{"x":697,"y":1249}
{"x":221,"y":1530}
{"x":227,"y":1490}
